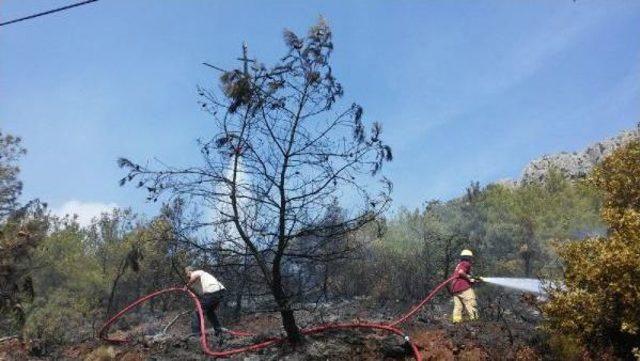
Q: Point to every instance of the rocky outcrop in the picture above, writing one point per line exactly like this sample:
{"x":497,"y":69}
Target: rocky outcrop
{"x":577,"y":164}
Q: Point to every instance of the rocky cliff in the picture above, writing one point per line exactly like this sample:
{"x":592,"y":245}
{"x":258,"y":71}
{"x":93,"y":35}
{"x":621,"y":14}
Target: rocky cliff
{"x":577,"y":164}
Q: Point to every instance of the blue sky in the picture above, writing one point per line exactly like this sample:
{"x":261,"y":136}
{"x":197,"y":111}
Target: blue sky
{"x":466,"y":90}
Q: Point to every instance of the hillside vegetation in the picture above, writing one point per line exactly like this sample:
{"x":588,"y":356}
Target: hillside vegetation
{"x":60,"y":281}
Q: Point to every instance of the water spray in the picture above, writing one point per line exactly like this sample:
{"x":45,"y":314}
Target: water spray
{"x":531,"y":285}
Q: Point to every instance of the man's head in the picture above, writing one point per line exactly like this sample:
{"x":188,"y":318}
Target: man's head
{"x":188,"y":270}
{"x":466,"y":255}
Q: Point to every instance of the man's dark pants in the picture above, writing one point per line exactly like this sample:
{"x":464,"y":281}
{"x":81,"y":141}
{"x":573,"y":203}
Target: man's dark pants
{"x":210,"y":302}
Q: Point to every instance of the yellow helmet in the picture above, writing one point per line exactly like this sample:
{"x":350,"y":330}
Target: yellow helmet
{"x":466,"y":253}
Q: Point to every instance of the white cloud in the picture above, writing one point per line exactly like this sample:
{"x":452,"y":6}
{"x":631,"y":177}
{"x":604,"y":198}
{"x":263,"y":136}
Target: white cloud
{"x":84,"y":210}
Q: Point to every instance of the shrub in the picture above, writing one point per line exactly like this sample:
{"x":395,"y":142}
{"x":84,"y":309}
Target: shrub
{"x":599,"y":303}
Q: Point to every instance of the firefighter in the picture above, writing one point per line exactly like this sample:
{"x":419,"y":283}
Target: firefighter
{"x":461,"y":286}
{"x":211,"y":292}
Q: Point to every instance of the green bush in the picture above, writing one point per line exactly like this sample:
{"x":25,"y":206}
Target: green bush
{"x":598,"y":304}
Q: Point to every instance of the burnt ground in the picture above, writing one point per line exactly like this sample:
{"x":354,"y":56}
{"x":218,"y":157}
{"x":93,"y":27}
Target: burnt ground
{"x":503,"y":337}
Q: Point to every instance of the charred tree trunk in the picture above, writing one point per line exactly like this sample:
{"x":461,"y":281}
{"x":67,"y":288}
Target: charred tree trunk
{"x":121,"y":271}
{"x":288,"y":317}
{"x":240,"y":293}
{"x":325,"y":282}
{"x":237,"y":310}
{"x":447,"y":259}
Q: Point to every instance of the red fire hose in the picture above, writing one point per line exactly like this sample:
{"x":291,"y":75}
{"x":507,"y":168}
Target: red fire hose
{"x":389,"y":327}
{"x":417,"y":307}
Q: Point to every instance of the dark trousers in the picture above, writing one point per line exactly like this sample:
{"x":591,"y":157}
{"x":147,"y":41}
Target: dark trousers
{"x":210,"y":302}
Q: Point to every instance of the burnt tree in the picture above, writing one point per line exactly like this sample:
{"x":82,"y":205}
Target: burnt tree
{"x":279,"y":157}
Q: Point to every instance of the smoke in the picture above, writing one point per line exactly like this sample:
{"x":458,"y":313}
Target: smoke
{"x":531,"y":285}
{"x":84,"y":211}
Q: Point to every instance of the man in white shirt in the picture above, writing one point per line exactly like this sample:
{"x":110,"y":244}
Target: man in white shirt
{"x":211,"y":293}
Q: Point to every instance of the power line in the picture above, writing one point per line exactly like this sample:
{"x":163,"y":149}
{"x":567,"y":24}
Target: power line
{"x":47,"y":12}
